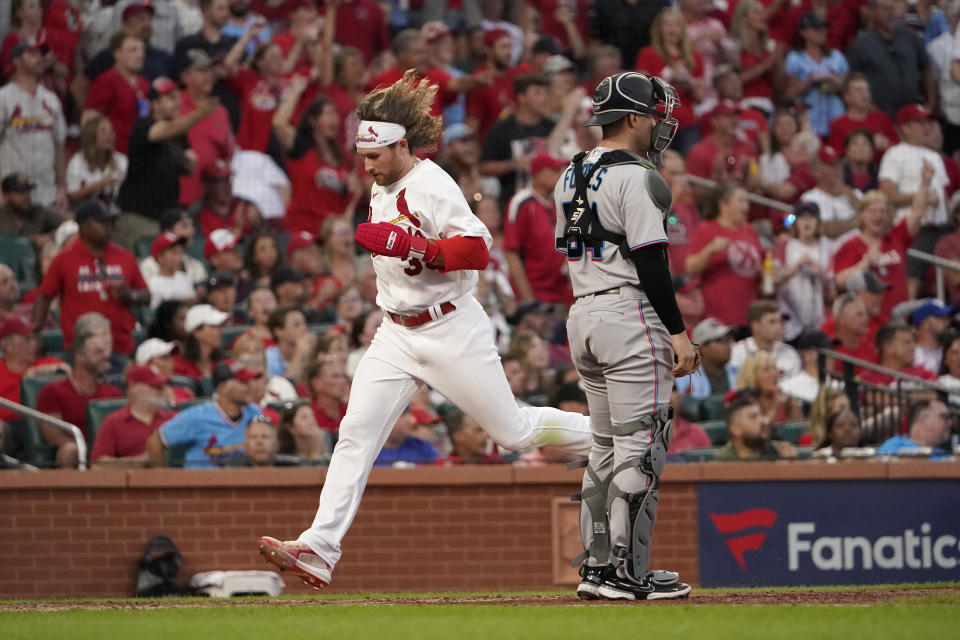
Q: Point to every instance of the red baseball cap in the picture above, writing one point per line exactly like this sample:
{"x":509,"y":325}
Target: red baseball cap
{"x":490,"y":37}
{"x":219,"y":240}
{"x":828,"y":155}
{"x":147,"y":374}
{"x":219,"y":169}
{"x":160,"y":87}
{"x":913,"y":112}
{"x":137,"y":7}
{"x":232,"y":370}
{"x":299,"y":241}
{"x":724,"y":108}
{"x":544,"y":160}
{"x":422,"y":416}
{"x":164,"y":241}
{"x":15,"y":325}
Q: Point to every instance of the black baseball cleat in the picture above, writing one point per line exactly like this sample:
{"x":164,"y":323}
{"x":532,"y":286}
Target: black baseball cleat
{"x":591,"y":579}
{"x":658,"y":585}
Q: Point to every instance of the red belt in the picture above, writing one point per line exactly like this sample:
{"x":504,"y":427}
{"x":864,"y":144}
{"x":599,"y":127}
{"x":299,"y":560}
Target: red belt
{"x":421,"y":318}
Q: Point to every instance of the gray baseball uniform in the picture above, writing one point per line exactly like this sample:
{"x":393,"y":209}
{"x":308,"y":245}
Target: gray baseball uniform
{"x":619,"y":345}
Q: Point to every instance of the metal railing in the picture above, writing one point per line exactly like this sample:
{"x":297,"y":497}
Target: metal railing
{"x":939,"y":264}
{"x":57,"y":423}
{"x":882,"y":410}
{"x":752,"y":197}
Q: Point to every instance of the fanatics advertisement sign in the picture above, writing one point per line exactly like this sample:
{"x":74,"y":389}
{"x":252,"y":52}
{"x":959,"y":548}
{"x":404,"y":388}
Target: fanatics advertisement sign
{"x":823,"y":533}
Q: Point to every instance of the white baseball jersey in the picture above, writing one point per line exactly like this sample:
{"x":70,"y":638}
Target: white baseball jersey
{"x":428,"y":204}
{"x":902,"y":165}
{"x":31,"y":128}
{"x":602,"y":266}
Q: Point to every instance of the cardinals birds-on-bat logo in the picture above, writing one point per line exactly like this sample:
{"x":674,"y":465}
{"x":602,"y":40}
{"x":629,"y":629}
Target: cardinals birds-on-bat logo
{"x":405,"y":210}
{"x":375,"y":134}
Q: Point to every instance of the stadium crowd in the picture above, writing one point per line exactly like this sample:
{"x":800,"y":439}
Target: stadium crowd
{"x":180,"y":188}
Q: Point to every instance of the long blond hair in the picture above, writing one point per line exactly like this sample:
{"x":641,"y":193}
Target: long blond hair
{"x":748,"y":39}
{"x":656,"y":38}
{"x":408,"y":103}
{"x":748,"y":371}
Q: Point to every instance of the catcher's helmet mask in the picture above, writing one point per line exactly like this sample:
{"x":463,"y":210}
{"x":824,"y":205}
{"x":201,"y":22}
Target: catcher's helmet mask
{"x":624,"y":93}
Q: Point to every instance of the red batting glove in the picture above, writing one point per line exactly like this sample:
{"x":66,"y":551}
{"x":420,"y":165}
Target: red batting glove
{"x":392,"y":240}
{"x":383,"y":238}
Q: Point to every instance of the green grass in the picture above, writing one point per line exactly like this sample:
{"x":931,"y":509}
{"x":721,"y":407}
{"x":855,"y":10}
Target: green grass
{"x":924,"y":615}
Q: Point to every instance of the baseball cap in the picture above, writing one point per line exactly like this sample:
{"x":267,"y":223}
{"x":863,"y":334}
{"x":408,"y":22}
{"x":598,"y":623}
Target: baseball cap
{"x":137,"y":7}
{"x":300,"y":240}
{"x":203,"y":314}
{"x":219,"y":240}
{"x":66,"y":230}
{"x":147,"y":374}
{"x":546,"y":161}
{"x":23,"y":47}
{"x":571,"y":392}
{"x":811,"y":20}
{"x":164,"y":241}
{"x":219,"y":169}
{"x":221,"y":280}
{"x":15,"y":325}
{"x":827,"y":154}
{"x":284,"y":274}
{"x":490,"y":37}
{"x":422,"y":416}
{"x":230,"y":370}
{"x":912,"y":112}
{"x":557,"y":63}
{"x":805,"y":207}
{"x":724,"y":108}
{"x":152,"y":348}
{"x":866,"y":281}
{"x":199,"y":60}
{"x":685,"y":283}
{"x":813,"y":339}
{"x":546,"y":44}
{"x":458,"y":131}
{"x":16,"y":182}
{"x":710,"y":329}
{"x":160,"y":87}
{"x":93,"y":210}
{"x":930,"y":309}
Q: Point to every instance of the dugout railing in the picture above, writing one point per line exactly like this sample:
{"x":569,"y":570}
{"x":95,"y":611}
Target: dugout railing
{"x":883,"y":409}
{"x":57,"y":423}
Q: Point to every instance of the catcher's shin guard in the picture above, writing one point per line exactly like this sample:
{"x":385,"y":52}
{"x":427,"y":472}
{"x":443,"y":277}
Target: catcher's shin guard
{"x":641,"y":491}
{"x":594,"y":527}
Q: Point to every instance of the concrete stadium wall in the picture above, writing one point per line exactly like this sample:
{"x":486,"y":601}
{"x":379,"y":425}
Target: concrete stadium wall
{"x":73,"y":534}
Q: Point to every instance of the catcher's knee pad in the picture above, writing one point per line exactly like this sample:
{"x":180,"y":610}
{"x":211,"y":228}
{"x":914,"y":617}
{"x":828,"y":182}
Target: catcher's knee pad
{"x":641,"y":491}
{"x":595,"y":529}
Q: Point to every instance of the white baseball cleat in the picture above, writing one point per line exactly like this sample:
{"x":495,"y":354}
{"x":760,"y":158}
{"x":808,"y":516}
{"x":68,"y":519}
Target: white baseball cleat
{"x":302,"y":561}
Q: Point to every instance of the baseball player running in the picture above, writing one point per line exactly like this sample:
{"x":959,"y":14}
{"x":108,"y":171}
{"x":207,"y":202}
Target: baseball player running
{"x":625,"y":331}
{"x":427,"y":249}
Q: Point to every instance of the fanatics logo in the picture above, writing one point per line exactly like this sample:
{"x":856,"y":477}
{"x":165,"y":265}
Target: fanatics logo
{"x":741,"y":521}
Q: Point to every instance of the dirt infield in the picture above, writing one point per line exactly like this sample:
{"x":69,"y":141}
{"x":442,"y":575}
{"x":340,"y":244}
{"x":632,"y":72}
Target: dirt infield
{"x":859,"y":597}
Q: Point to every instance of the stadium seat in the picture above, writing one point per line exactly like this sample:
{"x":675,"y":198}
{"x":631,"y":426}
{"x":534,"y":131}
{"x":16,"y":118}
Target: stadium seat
{"x":97,"y":411}
{"x":691,"y":406}
{"x":320,"y":328}
{"x":175,"y":455}
{"x":186,"y":404}
{"x":195,"y":249}
{"x":790,"y":431}
{"x":142,"y":247}
{"x":230,"y":334}
{"x":37,"y":451}
{"x":205,"y":386}
{"x":711,"y":408}
{"x":699,"y":455}
{"x":52,"y":341}
{"x":804,"y":453}
{"x":19,"y":254}
{"x":717,"y":430}
{"x":184,"y":381}
{"x":139,"y":335}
